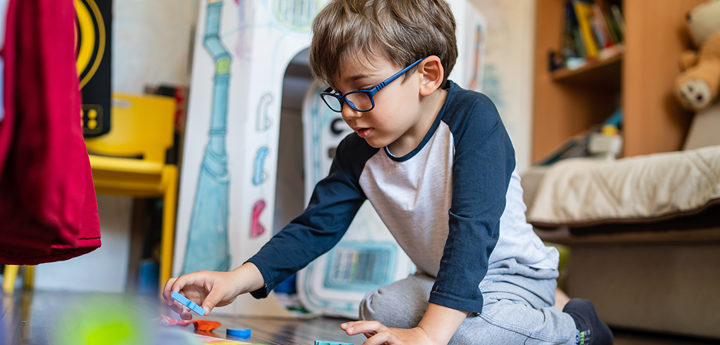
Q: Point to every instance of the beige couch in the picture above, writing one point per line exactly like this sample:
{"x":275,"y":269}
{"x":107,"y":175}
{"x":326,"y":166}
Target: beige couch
{"x":657,"y":272}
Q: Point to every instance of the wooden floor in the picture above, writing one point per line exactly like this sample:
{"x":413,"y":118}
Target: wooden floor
{"x":30,"y":318}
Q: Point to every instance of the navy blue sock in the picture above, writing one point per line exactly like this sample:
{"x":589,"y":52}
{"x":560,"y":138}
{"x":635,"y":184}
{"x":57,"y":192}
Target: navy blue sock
{"x":591,"y":330}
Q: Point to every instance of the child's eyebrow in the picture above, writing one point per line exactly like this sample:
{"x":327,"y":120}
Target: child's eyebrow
{"x":361,"y":76}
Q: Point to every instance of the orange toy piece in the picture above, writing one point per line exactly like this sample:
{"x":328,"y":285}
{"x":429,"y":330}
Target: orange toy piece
{"x":200,"y":325}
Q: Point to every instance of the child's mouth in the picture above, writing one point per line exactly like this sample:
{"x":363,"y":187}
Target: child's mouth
{"x":364,"y":132}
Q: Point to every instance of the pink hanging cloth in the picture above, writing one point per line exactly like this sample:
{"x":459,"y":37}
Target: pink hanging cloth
{"x":48,"y":210}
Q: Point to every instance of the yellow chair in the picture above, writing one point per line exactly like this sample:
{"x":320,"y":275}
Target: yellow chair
{"x":142,"y":126}
{"x":11,"y":272}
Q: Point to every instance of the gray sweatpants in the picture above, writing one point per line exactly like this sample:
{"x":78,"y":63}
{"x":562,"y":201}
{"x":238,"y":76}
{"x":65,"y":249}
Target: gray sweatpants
{"x":518,"y":307}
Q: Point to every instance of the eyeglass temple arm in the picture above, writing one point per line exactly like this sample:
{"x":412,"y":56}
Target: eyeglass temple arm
{"x":379,"y":87}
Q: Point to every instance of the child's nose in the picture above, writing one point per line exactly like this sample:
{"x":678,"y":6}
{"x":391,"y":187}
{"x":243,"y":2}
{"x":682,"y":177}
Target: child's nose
{"x":349,"y":113}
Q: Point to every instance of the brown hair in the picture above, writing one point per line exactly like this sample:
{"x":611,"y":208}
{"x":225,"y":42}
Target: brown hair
{"x":402,"y":31}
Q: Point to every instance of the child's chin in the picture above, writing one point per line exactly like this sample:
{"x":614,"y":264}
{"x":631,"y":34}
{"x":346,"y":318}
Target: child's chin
{"x":375,"y":143}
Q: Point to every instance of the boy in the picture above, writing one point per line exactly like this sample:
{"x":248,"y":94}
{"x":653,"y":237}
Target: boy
{"x":438,"y":166}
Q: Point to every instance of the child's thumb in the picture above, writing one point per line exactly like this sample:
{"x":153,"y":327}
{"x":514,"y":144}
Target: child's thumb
{"x":212,"y":299}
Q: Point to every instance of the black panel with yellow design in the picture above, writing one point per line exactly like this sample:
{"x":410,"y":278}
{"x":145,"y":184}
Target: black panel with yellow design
{"x":92,"y":45}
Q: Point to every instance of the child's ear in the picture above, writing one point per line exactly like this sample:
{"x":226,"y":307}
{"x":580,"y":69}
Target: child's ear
{"x":432,"y":73}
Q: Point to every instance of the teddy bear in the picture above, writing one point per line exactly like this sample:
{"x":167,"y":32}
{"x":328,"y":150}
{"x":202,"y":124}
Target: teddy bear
{"x":697,"y":87}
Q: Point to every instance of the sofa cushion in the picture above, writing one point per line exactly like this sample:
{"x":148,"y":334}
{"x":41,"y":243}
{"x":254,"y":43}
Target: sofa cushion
{"x":586,"y":193}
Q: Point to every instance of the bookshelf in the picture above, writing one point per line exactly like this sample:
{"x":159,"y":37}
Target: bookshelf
{"x":604,"y":72}
{"x":639,"y":77}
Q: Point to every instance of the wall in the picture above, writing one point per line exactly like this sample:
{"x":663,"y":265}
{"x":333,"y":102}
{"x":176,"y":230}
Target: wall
{"x":509,"y":67}
{"x":152,"y":42}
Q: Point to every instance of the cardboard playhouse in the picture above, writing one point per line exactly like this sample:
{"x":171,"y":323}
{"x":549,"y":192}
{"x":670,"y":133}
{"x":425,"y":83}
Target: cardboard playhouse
{"x":229,"y":170}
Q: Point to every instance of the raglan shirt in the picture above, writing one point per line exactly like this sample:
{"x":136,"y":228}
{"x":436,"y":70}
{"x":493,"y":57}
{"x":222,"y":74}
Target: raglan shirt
{"x":454,"y":204}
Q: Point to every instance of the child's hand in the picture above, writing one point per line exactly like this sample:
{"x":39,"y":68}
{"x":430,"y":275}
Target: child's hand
{"x":378,"y":334}
{"x":207,"y":289}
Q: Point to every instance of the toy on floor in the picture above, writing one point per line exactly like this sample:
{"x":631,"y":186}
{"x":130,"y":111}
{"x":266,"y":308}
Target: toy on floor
{"x":239,"y":332}
{"x":188,"y":303}
{"x":324,"y":342}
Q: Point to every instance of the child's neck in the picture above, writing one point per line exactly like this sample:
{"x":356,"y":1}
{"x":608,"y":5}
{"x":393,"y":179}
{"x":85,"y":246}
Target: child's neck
{"x":429,"y":106}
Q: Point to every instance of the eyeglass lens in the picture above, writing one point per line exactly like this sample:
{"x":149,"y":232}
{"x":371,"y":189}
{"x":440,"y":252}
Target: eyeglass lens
{"x":332,"y":102}
{"x":360,"y":101}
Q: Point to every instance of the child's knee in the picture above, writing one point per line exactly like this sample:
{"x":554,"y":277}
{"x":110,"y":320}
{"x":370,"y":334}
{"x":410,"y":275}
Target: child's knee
{"x":392,"y":308}
{"x":366,"y":308}
{"x":375,"y":306}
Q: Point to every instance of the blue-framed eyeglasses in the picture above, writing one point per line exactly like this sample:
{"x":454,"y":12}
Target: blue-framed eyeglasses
{"x":360,"y":100}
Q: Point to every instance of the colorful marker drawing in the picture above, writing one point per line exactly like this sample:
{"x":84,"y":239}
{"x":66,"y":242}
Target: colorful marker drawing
{"x":263,"y":120}
{"x":296,"y":15}
{"x":259,"y":175}
{"x":207,"y":245}
{"x":257,"y":229}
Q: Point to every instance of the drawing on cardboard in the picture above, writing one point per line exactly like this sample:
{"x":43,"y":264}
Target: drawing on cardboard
{"x":259,"y":174}
{"x":207,"y":245}
{"x":257,"y":228}
{"x":296,"y":15}
{"x":262,"y":119}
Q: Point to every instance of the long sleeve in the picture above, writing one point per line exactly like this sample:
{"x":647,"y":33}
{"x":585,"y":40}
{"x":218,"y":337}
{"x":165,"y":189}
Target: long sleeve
{"x":483,"y":164}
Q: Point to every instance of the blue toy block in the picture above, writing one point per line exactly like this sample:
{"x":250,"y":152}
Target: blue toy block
{"x":188,"y":303}
{"x":239,"y":332}
{"x":324,"y":342}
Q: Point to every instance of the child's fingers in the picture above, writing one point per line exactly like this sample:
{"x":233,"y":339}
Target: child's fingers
{"x":182,"y":310}
{"x":212,"y":299}
{"x":185,"y":315}
{"x":357,"y":327}
{"x":177,"y":307}
{"x":181,"y":281}
{"x":369,"y":334}
{"x":167,"y":291}
{"x":349,"y":324}
{"x":381,"y":338}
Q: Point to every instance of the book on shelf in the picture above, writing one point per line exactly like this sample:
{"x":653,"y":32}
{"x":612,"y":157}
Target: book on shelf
{"x":593,"y":30}
{"x":583,"y":11}
{"x":619,"y":21}
{"x":572,"y":45}
{"x":603,"y":9}
{"x":601,"y":28}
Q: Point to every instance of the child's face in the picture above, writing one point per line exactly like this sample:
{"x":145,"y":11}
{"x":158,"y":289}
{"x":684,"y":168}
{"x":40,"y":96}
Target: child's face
{"x":397,"y":105}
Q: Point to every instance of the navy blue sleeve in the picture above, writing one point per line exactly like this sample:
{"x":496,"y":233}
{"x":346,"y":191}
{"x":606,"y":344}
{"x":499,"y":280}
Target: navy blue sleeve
{"x":333,"y":205}
{"x":483,"y":165}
